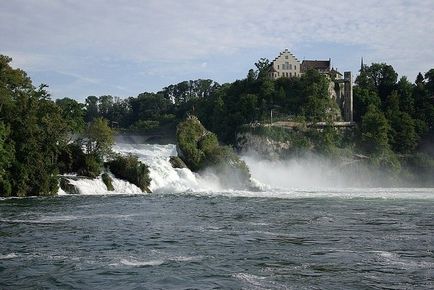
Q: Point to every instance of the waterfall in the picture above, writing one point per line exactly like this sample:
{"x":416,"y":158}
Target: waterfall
{"x":165,"y":178}
{"x":278,"y":179}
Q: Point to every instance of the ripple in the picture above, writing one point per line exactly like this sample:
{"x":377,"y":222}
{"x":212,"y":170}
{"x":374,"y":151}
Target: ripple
{"x":8,"y":256}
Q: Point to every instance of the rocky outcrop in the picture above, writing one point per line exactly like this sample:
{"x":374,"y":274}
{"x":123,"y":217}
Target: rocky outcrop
{"x":129,"y":168}
{"x":67,"y":186}
{"x":200,"y":151}
{"x":265,"y":146}
{"x":107,"y":181}
{"x":274,"y":142}
{"x":177,"y":162}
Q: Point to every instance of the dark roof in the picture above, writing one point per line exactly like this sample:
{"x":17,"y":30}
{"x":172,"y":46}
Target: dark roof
{"x":334,"y":71}
{"x":271,"y":69}
{"x":315,"y":64}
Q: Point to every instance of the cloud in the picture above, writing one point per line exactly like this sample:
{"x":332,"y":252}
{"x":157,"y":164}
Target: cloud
{"x":84,"y":37}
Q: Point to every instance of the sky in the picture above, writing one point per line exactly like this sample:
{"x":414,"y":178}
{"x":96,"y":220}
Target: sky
{"x":122,"y":48}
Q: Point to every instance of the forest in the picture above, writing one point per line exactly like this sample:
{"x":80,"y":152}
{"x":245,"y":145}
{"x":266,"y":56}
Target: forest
{"x":394,"y":120}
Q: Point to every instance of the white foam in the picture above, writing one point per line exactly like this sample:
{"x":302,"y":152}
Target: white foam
{"x":273,"y":179}
{"x":136,"y":263}
{"x":165,"y":178}
{"x":8,"y":256}
{"x":97,"y":187}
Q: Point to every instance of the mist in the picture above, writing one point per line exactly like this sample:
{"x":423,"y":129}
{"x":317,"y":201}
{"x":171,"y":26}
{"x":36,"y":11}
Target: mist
{"x":310,"y":171}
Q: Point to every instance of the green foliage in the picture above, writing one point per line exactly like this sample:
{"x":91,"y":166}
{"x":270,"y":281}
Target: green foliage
{"x":199,"y":149}
{"x":91,"y":167}
{"x":363,"y":98}
{"x":72,"y":113}
{"x":404,"y":137}
{"x":129,"y":168}
{"x":262,"y":67}
{"x":144,"y":125}
{"x":6,"y":159}
{"x":421,"y":165}
{"x":98,"y":138}
{"x":374,"y":129}
{"x":72,"y":159}
{"x":107,"y":181}
{"x":379,"y":77}
{"x":188,"y":136}
{"x":35,"y":131}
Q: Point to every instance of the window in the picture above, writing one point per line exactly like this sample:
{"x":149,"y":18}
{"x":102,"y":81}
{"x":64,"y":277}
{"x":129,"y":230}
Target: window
{"x":295,"y":67}
{"x":286,"y":57}
{"x":290,"y":66}
{"x":287,"y":65}
{"x":290,"y":74}
{"x":277,"y":66}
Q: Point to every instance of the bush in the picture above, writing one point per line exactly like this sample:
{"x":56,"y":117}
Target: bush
{"x":91,"y":167}
{"x":129,"y":168}
{"x":200,"y":150}
{"x":107,"y":181}
{"x":73,"y":159}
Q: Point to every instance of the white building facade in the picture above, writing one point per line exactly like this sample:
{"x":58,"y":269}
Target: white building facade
{"x":285,"y":65}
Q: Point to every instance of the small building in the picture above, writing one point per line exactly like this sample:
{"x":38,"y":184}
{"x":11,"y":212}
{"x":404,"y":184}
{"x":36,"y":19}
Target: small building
{"x":285,"y":65}
{"x":323,"y":66}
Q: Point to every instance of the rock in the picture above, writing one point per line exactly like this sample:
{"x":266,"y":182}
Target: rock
{"x":67,"y":186}
{"x":129,"y":168}
{"x":200,"y":150}
{"x":177,"y":162}
{"x":107,"y":181}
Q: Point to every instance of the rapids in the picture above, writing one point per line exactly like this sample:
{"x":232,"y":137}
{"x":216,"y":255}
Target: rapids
{"x":273,"y":179}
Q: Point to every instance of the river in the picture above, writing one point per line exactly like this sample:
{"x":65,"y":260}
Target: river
{"x":191,"y":233}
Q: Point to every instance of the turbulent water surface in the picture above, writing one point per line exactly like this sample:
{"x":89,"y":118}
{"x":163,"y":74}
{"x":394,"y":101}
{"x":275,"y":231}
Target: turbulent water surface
{"x":194,"y":234}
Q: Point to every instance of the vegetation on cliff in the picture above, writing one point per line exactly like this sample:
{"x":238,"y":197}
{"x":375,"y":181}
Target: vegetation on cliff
{"x":35,"y":137}
{"x":200,"y":150}
{"x":394,"y":122}
{"x":32,"y":132}
{"x":129,"y":168}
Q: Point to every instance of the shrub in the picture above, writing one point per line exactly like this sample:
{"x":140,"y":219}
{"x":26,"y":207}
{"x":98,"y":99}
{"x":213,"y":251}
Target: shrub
{"x":107,"y":181}
{"x":200,"y":150}
{"x":129,"y":168}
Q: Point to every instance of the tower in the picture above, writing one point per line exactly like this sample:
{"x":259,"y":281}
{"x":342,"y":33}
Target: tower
{"x":348,"y":97}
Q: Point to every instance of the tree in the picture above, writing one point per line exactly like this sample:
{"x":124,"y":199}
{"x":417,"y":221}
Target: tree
{"x":378,"y":77}
{"x":429,"y":77}
{"x":374,"y":129}
{"x":317,"y":105}
{"x":35,"y":132}
{"x":6,"y":159}
{"x":92,"y":110}
{"x":363,"y":98}
{"x":403,"y":133}
{"x":406,"y":98}
{"x":262,"y":66}
{"x":98,"y":138}
{"x":73,"y":113}
{"x":105,"y":106}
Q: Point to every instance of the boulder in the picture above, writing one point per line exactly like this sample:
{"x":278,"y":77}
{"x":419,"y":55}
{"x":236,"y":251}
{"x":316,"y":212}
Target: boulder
{"x":200,"y":151}
{"x":107,"y":181}
{"x":67,"y":186}
{"x":177,"y":162}
{"x":129,"y":168}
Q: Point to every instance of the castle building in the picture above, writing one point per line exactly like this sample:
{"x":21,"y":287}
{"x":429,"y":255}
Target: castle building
{"x":286,"y":65}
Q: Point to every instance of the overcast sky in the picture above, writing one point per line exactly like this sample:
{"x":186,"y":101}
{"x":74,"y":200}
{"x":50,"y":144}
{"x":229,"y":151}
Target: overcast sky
{"x":119,"y":47}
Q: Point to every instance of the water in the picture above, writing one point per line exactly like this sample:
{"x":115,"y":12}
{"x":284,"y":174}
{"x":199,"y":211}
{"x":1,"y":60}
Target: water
{"x":191,"y":234}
